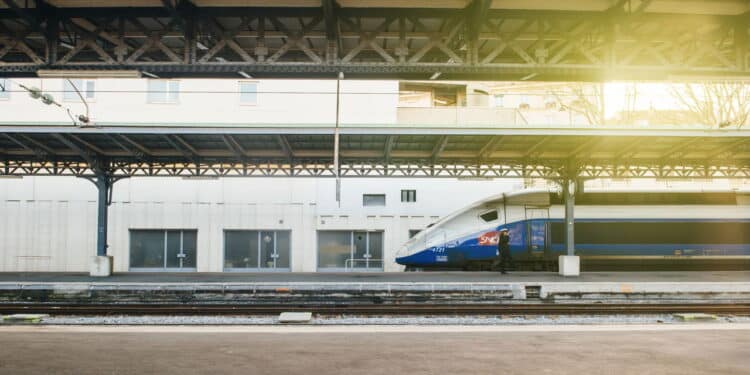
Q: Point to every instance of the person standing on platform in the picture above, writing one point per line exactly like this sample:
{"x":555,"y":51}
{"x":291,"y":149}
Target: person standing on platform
{"x":503,"y":251}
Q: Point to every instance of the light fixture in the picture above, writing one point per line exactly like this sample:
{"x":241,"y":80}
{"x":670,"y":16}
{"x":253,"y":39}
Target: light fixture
{"x":244,"y":74}
{"x":59,"y":73}
{"x":435,"y":75}
{"x":152,"y":75}
{"x":201,"y":46}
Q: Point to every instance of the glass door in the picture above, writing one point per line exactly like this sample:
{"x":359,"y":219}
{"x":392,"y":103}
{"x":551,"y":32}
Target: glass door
{"x":268,"y":254}
{"x":375,"y":250}
{"x":163,"y":250}
{"x":360,"y":253}
{"x":350,"y":250}
{"x":367,"y":250}
{"x":252,"y":250}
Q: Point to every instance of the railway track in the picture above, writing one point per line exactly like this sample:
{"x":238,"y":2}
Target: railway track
{"x":375,"y":309}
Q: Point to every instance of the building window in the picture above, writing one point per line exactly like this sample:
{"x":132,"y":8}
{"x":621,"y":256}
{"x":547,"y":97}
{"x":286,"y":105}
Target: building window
{"x":414,"y":232}
{"x":373,"y":199}
{"x":499,"y":100}
{"x":248,"y":93}
{"x":253,"y":249}
{"x":431,"y":95}
{"x":5,"y":89}
{"x":346,"y":250}
{"x":85,"y":86}
{"x":163,"y":249}
{"x":163,"y":91}
{"x":408,"y":195}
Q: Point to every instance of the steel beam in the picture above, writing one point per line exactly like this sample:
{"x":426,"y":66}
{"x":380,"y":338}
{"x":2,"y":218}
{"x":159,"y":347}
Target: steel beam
{"x":569,"y":187}
{"x":438,"y":148}
{"x":474,"y":42}
{"x":104,"y":187}
{"x":390,"y":141}
{"x":286,"y":148}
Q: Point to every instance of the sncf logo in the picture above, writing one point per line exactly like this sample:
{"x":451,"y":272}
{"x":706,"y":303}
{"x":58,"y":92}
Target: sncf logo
{"x":489,"y":238}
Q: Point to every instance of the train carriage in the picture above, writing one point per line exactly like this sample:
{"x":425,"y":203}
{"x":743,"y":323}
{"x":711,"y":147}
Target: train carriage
{"x":613,"y":231}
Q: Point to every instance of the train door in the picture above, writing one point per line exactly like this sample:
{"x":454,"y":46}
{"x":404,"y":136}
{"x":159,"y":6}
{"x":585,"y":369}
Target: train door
{"x":536,"y":230}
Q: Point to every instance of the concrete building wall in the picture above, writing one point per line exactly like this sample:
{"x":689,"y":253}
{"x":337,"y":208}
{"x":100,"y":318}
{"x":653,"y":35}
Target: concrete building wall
{"x":49,"y":223}
{"x":204,"y":102}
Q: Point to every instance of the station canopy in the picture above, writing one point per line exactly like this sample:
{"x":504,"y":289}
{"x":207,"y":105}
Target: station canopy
{"x":373,"y":151}
{"x":445,"y":39}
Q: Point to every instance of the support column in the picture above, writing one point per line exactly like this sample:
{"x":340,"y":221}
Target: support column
{"x":569,"y":264}
{"x":101,"y":263}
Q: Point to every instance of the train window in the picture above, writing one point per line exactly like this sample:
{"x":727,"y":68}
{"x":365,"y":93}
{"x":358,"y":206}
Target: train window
{"x":489,"y":216}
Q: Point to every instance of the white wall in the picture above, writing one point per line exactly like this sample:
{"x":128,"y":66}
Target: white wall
{"x":210,"y":101}
{"x":49,"y":223}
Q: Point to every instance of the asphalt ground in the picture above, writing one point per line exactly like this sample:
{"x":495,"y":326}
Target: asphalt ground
{"x":691,"y":348}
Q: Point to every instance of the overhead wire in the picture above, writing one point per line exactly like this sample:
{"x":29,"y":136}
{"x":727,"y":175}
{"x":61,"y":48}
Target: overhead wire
{"x":50,"y":100}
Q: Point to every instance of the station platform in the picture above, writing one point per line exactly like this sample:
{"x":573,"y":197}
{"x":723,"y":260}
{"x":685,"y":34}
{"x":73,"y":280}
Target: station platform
{"x":316,"y":289}
{"x":379,"y":277}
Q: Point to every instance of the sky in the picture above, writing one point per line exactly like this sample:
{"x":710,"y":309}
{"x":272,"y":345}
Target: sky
{"x":649,"y":95}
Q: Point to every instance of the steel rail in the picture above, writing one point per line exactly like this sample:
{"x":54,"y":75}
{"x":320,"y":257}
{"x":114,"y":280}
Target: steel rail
{"x":373,"y":309}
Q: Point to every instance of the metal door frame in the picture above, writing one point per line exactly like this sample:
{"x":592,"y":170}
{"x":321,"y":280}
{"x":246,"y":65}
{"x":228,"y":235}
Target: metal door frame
{"x":345,"y":268}
{"x":275,"y":254}
{"x":181,"y":255}
{"x":367,"y":255}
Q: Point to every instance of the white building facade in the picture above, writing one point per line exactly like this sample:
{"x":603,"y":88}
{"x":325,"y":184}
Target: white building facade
{"x":224,"y":225}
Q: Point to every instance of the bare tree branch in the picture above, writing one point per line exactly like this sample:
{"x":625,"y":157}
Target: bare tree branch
{"x":715,"y":104}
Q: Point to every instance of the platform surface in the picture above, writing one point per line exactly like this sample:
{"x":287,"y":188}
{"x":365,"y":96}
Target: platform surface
{"x":383,"y":277}
{"x":707,"y":348}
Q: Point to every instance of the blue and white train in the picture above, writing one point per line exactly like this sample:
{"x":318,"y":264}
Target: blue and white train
{"x":613,"y":230}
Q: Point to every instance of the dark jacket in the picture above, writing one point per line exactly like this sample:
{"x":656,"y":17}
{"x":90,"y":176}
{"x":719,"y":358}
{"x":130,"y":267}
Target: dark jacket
{"x":503,"y":245}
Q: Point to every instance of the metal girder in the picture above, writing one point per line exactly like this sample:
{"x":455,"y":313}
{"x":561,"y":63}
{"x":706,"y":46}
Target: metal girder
{"x":135,"y":144}
{"x":490,"y":146}
{"x":236,"y":148}
{"x":364,"y":169}
{"x":530,"y":151}
{"x":475,"y":42}
{"x":285,"y":147}
{"x":389,"y":143}
{"x":87,"y":155}
{"x":39,"y":146}
{"x":680,"y":148}
{"x":526,"y":153}
{"x":438,"y":148}
{"x":585,"y":146}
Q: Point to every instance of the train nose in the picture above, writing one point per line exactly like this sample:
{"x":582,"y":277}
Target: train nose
{"x":402,"y":251}
{"x":406,"y":250}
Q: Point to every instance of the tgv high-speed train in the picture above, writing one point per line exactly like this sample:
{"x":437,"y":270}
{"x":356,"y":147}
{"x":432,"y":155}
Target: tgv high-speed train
{"x":613,"y":231}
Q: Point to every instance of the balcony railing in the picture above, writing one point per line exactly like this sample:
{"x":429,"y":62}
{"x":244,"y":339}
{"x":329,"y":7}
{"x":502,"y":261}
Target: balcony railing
{"x":485,"y":116}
